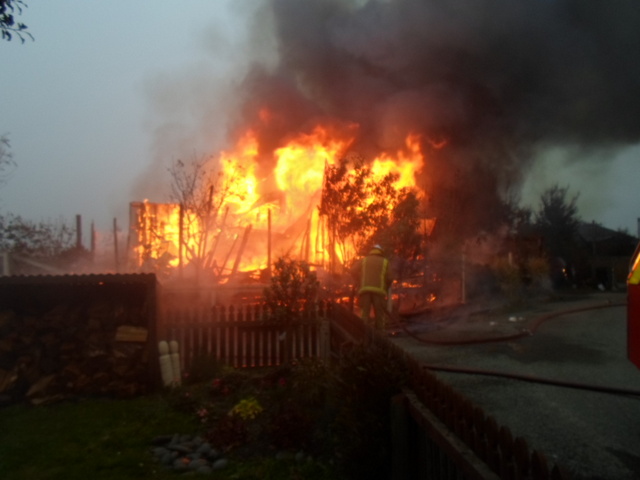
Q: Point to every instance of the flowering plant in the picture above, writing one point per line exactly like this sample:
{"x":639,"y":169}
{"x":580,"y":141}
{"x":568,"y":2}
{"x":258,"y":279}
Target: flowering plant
{"x":247,"y":409}
{"x":203,"y":414}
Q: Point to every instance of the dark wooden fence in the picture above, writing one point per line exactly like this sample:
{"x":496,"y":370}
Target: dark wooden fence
{"x":241,"y":336}
{"x":437,"y":432}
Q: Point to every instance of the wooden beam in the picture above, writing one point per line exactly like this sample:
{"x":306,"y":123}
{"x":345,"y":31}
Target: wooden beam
{"x":243,"y":244}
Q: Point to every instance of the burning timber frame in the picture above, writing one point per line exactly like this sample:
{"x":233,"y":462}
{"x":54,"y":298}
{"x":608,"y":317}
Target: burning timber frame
{"x":160,"y":233}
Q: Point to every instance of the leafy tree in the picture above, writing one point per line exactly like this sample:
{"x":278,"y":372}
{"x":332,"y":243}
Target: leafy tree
{"x":291,"y":297}
{"x":49,"y":242}
{"x":402,"y":234}
{"x":557,"y":220}
{"x":201,"y":194}
{"x":8,"y":24}
{"x":293,"y":291}
{"x":357,"y":205}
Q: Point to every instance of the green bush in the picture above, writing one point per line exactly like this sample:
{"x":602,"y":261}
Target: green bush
{"x":293,"y":292}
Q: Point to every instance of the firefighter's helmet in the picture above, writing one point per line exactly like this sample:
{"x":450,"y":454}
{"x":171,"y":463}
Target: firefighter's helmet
{"x":377,"y":250}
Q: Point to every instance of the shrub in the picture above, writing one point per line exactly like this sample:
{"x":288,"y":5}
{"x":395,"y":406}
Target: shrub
{"x":293,"y":292}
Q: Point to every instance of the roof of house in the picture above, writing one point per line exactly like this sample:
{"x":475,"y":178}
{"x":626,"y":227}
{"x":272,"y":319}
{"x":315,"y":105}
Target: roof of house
{"x":594,"y":232}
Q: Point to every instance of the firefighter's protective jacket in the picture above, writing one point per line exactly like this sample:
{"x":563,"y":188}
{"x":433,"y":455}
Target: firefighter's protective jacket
{"x":374,"y":273}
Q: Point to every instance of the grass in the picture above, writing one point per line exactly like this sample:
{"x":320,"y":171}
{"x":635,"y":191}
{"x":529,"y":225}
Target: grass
{"x":335,"y":415}
{"x":104,"y":439}
{"x":95,"y":438}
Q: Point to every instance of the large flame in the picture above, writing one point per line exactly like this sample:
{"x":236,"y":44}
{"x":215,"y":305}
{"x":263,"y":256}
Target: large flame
{"x":278,"y":211}
{"x":405,"y":164}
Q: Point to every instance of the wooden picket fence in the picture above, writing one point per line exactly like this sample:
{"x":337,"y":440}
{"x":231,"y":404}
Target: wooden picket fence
{"x":437,"y":433}
{"x":241,"y":336}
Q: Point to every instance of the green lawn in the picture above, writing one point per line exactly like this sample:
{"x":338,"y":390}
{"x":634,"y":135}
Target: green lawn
{"x":103,"y":439}
{"x":334,"y":416}
{"x":89,"y":439}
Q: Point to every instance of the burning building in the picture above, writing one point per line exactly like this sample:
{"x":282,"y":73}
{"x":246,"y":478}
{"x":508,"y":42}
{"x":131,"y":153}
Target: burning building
{"x":237,"y":221}
{"x":457,"y":98}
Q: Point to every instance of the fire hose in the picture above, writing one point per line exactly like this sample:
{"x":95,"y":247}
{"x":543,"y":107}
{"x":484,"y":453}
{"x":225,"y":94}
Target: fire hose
{"x":514,"y":336}
{"x":516,"y":376}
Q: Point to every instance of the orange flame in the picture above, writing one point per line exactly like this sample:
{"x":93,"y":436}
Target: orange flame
{"x":281,"y":205}
{"x":406,"y":164}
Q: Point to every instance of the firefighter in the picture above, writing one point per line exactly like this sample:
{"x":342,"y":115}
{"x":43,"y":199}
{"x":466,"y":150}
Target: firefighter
{"x":375,"y":280}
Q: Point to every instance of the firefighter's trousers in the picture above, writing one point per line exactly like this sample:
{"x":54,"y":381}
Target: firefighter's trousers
{"x":369,"y":300}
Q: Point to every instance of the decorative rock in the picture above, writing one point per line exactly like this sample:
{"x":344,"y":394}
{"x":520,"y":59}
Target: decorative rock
{"x":220,"y":464}
{"x":181,"y":448}
{"x":190,"y":445}
{"x":196,"y":464}
{"x":188,"y":455}
{"x":181,"y":464}
{"x":160,"y":451}
{"x":168,"y":458}
{"x":205,"y":449}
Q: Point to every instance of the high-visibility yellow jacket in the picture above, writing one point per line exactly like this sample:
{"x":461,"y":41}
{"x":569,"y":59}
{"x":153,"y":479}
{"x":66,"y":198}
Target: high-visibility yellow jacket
{"x":374,"y":273}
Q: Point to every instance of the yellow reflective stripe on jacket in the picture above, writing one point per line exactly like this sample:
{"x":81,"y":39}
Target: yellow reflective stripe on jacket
{"x":374,"y":274}
{"x":634,"y":275}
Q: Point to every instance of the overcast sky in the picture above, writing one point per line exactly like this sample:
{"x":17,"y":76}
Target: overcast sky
{"x":77,"y":103}
{"x":81,"y":107}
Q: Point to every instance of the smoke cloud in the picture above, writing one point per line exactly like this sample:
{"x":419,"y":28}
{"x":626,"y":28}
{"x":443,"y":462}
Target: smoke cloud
{"x":532,"y":70}
{"x":499,"y":80}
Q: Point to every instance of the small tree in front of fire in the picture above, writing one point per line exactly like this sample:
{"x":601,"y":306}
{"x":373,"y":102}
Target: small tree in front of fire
{"x":201,"y":194}
{"x":290,"y":298}
{"x":404,"y":233}
{"x":357,"y":205}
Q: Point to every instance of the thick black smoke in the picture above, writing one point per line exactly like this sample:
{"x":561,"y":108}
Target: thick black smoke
{"x":495,"y":78}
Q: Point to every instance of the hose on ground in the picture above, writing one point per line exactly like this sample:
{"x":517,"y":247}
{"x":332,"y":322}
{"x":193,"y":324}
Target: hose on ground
{"x":514,"y":336}
{"x":534,"y":379}
{"x":527,"y":378}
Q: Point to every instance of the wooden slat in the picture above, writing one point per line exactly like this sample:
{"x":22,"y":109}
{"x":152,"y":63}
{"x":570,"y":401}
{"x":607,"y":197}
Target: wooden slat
{"x":236,"y":335}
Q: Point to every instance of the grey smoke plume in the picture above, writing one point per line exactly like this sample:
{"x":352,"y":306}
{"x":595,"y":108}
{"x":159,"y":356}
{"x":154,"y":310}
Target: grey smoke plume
{"x":496,"y":78}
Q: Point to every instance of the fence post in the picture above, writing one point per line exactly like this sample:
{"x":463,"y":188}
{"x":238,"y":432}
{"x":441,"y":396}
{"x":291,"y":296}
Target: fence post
{"x":325,"y":340}
{"x":400,"y":445}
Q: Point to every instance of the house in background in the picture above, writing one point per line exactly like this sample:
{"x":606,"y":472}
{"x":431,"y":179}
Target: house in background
{"x":608,"y":253}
